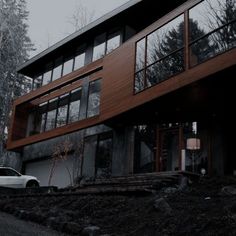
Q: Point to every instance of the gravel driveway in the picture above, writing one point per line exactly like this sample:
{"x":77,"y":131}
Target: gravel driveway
{"x":11,"y":226}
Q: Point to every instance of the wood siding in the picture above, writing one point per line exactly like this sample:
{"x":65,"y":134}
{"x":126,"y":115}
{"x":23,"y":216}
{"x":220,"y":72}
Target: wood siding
{"x":117,"y":88}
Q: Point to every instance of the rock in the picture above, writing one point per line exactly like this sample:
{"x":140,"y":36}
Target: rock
{"x":183,"y":183}
{"x":163,"y":206}
{"x":71,"y":227}
{"x":207,"y":198}
{"x":228,"y":190}
{"x":170,"y":190}
{"x":91,"y":231}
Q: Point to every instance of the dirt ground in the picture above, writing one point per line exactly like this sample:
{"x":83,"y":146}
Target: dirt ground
{"x":207,"y":207}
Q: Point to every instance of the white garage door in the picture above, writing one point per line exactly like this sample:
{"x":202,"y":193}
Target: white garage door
{"x":41,"y":169}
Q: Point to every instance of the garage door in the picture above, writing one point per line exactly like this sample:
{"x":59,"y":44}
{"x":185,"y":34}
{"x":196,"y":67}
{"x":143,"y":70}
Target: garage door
{"x":41,"y":169}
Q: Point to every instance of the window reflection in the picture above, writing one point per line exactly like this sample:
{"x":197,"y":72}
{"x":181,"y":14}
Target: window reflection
{"x":165,"y":40}
{"x":213,"y":27}
{"x":113,"y":42}
{"x":80,"y":57}
{"x":94,"y":98}
{"x":47,"y":77}
{"x":103,"y":156}
{"x":51,"y":114}
{"x":164,"y":54}
{"x":210,"y":15}
{"x":43,"y":122}
{"x":74,"y":108}
{"x":56,"y":74}
{"x":140,"y":54}
{"x":144,"y":148}
{"x":62,"y":110}
{"x":139,"y":81}
{"x":165,"y":68}
{"x":68,"y":66}
{"x":37,"y":82}
{"x":99,"y":46}
{"x":40,"y":119}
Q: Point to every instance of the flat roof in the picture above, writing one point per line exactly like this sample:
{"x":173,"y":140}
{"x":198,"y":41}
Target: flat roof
{"x":79,"y":33}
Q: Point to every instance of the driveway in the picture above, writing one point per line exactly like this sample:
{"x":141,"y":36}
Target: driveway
{"x":11,"y":226}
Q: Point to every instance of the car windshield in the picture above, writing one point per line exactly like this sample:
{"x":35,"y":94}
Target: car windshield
{"x":8,"y":172}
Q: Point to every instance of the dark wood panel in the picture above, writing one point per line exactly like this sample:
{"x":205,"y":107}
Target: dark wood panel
{"x":117,"y":96}
{"x":117,"y":71}
{"x":53,"y":133}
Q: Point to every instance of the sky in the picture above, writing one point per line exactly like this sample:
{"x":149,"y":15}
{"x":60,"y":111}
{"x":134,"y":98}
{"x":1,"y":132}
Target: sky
{"x":49,"y":20}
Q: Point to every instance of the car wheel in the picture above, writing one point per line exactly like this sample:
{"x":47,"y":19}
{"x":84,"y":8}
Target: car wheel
{"x":32,"y":184}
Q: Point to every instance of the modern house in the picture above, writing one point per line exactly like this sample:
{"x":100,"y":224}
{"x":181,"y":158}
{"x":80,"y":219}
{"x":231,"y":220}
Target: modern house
{"x":145,"y":88}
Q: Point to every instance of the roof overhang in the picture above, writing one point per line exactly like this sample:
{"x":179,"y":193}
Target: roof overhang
{"x":92,"y":26}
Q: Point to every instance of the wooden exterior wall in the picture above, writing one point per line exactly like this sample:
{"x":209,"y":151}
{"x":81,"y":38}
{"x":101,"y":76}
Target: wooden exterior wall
{"x":117,"y":89}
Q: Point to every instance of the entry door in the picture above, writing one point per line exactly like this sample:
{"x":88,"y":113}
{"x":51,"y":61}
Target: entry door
{"x":169,"y":150}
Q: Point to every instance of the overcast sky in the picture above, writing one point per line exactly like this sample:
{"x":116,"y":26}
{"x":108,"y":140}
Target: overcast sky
{"x":49,"y":19}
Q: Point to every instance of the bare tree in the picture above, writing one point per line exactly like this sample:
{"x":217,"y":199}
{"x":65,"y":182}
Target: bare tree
{"x":60,"y":153}
{"x":81,"y":17}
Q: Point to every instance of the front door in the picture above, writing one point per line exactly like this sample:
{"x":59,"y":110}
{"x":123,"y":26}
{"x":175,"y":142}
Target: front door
{"x":169,"y":150}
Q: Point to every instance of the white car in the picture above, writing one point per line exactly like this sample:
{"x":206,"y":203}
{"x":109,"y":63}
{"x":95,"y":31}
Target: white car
{"x":12,"y":179}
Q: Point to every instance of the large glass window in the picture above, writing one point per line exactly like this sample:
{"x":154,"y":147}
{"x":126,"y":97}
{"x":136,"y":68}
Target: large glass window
{"x":74,"y":108}
{"x":103,"y":159}
{"x":94,"y":98}
{"x":37,"y":82}
{"x":140,"y":55}
{"x":160,"y":55}
{"x":40,"y":118}
{"x":51,"y":114}
{"x":68,"y":66}
{"x":56,"y":74}
{"x":165,"y":40}
{"x":80,"y":57}
{"x":99,"y":46}
{"x":113,"y":41}
{"x":62,"y":110}
{"x":212,"y":29}
{"x":47,"y":77}
{"x":145,"y":148}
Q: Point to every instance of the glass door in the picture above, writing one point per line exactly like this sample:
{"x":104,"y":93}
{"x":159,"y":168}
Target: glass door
{"x":169,"y":150}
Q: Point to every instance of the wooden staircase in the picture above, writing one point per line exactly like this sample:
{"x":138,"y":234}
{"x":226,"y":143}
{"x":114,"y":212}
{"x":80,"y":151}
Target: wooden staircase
{"x":134,"y":183}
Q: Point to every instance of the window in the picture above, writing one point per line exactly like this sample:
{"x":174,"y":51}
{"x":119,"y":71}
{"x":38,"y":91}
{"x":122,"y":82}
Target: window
{"x":37,"y":82}
{"x":68,"y":66}
{"x":56,"y":74}
{"x":99,"y":46}
{"x":104,"y":44}
{"x":94,"y":98}
{"x":80,"y":57}
{"x":8,"y":172}
{"x":140,"y":54}
{"x":62,"y":110}
{"x":145,"y":148}
{"x":103,"y":160}
{"x":47,"y":77}
{"x":51,"y":114}
{"x":160,"y":55}
{"x":113,"y":41}
{"x":74,"y":107}
{"x":212,"y":29}
{"x":40,"y":118}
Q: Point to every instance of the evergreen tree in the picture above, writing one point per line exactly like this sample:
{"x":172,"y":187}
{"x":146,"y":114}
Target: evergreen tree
{"x":168,"y":49}
{"x":14,"y":48}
